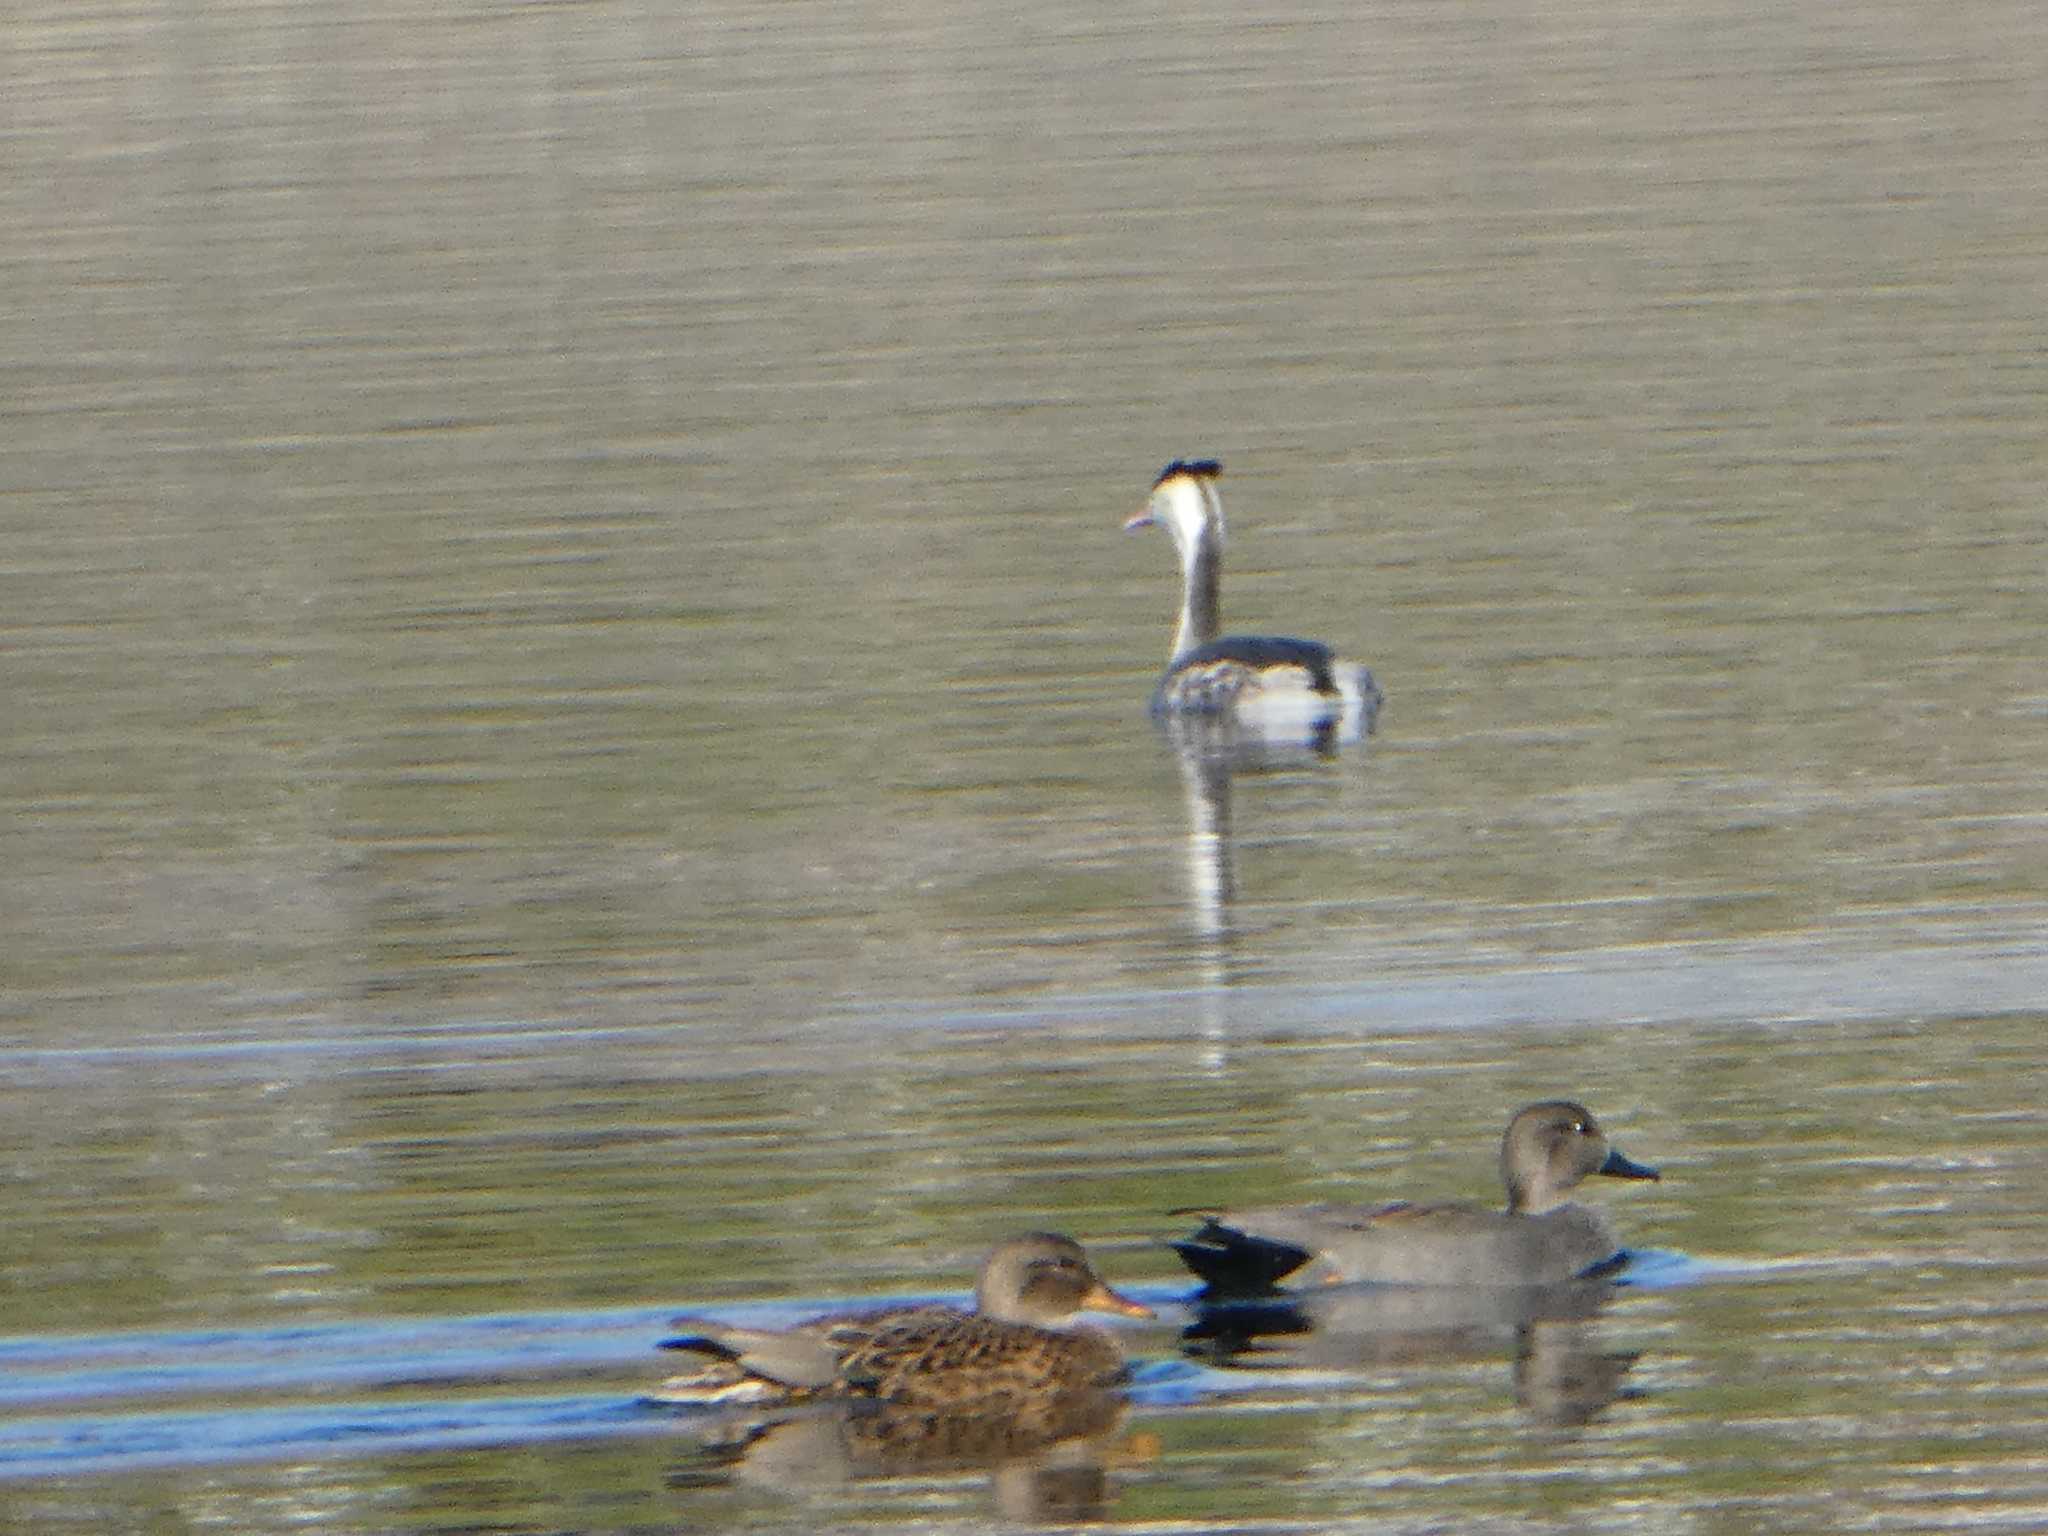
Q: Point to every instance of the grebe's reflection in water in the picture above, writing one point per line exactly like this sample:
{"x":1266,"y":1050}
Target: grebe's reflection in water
{"x":1211,"y":752}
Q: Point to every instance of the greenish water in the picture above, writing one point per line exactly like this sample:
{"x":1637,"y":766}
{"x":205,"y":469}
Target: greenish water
{"x":574,"y":734}
{"x":1863,"y":1338}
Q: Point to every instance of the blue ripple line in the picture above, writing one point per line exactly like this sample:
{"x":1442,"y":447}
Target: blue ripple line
{"x":86,"y":1443}
{"x":46,"y":1368}
{"x":41,"y":1369}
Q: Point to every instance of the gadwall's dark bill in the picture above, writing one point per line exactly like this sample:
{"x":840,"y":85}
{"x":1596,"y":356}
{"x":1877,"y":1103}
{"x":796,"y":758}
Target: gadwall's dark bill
{"x":1012,"y":1351}
{"x":1542,"y":1238}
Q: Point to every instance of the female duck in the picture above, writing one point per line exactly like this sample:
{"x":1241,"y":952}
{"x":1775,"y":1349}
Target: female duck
{"x":1542,"y":1238}
{"x":1016,"y":1349}
{"x":1266,"y":680}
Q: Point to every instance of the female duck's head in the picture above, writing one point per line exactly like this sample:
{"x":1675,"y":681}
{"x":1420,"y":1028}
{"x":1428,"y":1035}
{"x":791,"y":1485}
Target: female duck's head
{"x":1044,"y":1278}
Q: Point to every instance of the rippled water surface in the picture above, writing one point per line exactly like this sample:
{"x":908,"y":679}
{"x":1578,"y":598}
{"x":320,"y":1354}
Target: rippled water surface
{"x":574,"y":740}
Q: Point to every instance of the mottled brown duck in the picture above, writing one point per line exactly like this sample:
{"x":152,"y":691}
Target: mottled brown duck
{"x":1017,"y":1348}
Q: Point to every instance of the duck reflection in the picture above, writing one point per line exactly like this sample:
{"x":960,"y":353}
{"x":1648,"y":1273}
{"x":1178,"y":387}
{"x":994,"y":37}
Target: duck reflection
{"x":1562,"y":1375}
{"x":1047,"y":1462}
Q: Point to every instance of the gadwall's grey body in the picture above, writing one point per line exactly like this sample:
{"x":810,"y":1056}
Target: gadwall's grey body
{"x":1542,"y":1238}
{"x":1273,"y":686}
{"x":1014,"y":1350}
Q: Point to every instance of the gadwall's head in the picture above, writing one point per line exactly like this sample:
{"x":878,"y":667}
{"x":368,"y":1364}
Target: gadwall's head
{"x":1044,"y":1279}
{"x":1549,"y":1148}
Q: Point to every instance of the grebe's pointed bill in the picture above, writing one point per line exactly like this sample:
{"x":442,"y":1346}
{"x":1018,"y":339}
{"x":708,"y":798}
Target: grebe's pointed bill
{"x":1198,"y":469}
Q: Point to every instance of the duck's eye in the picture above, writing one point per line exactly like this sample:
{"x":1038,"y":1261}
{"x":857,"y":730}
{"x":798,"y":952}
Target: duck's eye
{"x":1580,"y":1128}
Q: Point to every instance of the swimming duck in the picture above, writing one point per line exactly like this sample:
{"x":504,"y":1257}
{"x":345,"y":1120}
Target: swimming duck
{"x":1271,"y":679}
{"x":1542,"y":1238}
{"x":1016,"y":1348}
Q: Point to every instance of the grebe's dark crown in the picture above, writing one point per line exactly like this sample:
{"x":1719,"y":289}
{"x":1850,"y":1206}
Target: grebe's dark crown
{"x":1201,"y":469}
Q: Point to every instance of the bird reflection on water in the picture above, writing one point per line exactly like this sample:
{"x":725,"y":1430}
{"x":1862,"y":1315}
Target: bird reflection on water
{"x":1211,"y":752}
{"x":1562,"y":1376}
{"x":1049,"y":1463}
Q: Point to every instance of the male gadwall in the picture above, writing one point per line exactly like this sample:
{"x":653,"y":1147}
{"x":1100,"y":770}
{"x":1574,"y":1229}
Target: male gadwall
{"x":1542,"y":1238}
{"x":1014,"y":1350}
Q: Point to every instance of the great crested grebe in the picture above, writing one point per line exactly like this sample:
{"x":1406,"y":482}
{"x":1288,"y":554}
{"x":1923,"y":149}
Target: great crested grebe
{"x":1274,"y":683}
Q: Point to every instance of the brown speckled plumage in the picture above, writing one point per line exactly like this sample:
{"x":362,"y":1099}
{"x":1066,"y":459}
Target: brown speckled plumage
{"x":1005,"y":1355}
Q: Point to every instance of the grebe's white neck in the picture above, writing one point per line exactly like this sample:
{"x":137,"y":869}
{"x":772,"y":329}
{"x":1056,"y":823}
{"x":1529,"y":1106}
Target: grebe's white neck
{"x":1192,"y":510}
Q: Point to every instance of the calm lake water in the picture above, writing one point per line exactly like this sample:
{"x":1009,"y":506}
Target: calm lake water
{"x":575,"y":746}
